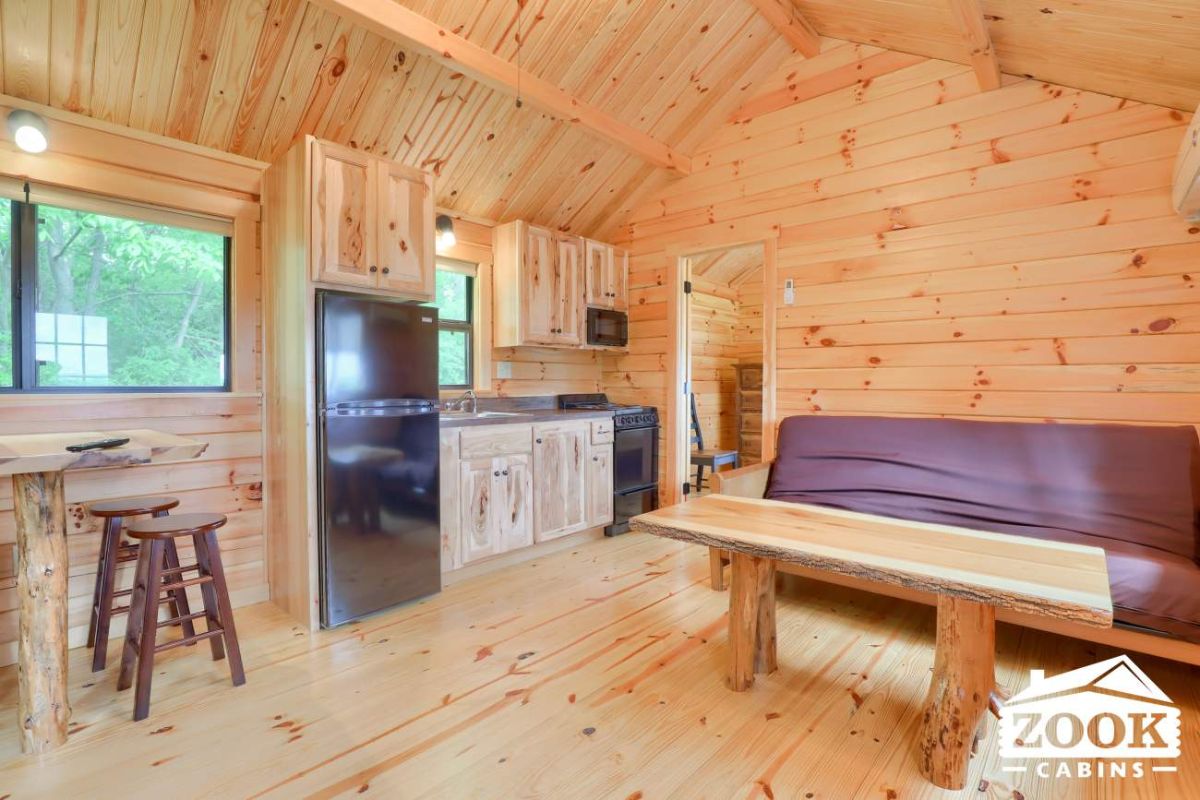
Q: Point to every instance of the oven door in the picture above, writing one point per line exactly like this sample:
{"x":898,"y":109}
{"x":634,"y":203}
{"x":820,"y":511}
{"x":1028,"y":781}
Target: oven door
{"x":635,"y":459}
{"x":607,"y":328}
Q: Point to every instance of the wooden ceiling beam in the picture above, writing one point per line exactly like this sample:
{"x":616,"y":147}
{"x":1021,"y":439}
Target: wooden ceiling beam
{"x":791,"y":24}
{"x":968,"y":15}
{"x":397,"y":23}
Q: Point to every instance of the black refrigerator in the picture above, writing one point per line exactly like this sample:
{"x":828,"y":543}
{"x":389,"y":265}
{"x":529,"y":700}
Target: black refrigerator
{"x":377,"y":386}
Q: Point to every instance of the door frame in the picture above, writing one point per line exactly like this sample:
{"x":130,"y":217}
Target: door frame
{"x":675,"y":424}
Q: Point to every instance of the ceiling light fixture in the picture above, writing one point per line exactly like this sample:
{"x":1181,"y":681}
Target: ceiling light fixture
{"x":28,"y":130}
{"x":445,"y":231}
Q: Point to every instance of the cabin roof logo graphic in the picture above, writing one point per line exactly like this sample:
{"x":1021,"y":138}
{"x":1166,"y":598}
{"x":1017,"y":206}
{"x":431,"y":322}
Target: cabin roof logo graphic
{"x":1107,"y":710}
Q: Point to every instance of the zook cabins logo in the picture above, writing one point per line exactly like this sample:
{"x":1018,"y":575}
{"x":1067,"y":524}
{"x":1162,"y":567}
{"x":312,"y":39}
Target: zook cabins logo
{"x":1103,"y":720}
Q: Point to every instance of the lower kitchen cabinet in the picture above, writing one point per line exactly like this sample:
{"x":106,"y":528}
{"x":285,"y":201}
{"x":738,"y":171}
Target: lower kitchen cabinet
{"x":505,"y":487}
{"x":600,"y":485}
{"x":560,"y":493}
{"x":495,"y":506}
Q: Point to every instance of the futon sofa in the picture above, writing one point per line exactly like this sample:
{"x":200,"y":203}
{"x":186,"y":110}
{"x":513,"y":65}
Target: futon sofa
{"x":1132,"y":490}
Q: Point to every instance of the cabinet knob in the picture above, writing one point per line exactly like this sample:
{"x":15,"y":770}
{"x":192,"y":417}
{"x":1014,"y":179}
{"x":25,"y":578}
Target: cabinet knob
{"x":496,"y":473}
{"x":595,"y":458}
{"x":539,"y":441}
{"x":386,"y":270}
{"x":505,"y":472}
{"x":374,"y":268}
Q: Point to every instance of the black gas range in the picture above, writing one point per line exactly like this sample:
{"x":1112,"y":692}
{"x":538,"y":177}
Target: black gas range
{"x":635,"y":455}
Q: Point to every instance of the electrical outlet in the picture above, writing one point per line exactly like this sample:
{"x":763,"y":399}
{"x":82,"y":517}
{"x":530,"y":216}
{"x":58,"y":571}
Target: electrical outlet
{"x":789,"y":293}
{"x":503,"y":369}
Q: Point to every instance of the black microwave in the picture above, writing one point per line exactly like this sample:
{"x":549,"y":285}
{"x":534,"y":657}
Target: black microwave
{"x":607,"y":328}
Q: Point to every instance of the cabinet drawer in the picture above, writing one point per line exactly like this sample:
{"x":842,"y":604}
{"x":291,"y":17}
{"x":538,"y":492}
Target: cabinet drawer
{"x":485,"y":441}
{"x":602,"y":431}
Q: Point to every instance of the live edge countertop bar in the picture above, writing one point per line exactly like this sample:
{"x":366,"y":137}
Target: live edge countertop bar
{"x":36,"y":463}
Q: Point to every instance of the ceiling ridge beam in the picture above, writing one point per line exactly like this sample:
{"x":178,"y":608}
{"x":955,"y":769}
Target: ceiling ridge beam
{"x":968,"y":16}
{"x":399,"y":24}
{"x":791,"y":24}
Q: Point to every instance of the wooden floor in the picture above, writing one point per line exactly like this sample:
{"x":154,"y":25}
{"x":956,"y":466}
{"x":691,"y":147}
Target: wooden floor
{"x":591,"y":673}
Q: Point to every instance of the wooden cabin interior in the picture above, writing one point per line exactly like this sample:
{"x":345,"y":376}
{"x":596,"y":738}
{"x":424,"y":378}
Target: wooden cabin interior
{"x":600,"y":399}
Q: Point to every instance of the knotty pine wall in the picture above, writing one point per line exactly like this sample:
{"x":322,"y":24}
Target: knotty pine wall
{"x":1009,"y":254}
{"x":116,"y":162}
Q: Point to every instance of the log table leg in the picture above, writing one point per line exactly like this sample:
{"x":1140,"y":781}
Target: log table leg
{"x":959,"y":691}
{"x":716,"y":566}
{"x":42,"y":596}
{"x":751,"y":620}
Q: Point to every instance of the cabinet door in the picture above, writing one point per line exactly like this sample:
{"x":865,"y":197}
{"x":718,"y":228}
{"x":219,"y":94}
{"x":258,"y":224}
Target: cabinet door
{"x":619,"y":279}
{"x":600,"y":485}
{"x":598,"y":274}
{"x":343,"y":206}
{"x":570,"y":280}
{"x":480,"y":528}
{"x":560,"y":503}
{"x":404,"y":230}
{"x":514,"y":503}
{"x":541,"y":305}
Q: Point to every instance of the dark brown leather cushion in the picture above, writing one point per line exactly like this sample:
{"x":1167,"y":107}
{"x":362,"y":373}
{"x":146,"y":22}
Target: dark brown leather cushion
{"x":1129,"y":489}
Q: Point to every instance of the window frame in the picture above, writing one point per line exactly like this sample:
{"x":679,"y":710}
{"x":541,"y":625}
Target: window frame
{"x":23,"y":226}
{"x":466,"y":327}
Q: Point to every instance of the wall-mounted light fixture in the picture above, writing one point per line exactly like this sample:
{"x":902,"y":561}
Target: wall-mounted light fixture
{"x":28,"y":130}
{"x":445,"y":231}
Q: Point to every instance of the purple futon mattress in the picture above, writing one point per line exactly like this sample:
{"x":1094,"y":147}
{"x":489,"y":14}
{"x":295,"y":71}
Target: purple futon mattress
{"x":1134,"y":491}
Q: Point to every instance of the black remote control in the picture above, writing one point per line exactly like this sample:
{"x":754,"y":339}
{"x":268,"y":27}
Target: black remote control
{"x":102,"y":444}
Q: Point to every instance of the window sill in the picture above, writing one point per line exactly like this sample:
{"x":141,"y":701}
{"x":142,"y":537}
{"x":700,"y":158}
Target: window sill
{"x":50,"y":398}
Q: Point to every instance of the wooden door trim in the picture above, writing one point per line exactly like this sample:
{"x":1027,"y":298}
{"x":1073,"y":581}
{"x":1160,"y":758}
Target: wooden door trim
{"x":675,"y":420}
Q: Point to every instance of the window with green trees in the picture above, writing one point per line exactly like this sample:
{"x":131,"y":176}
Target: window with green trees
{"x":92,"y":301}
{"x":453,"y":298}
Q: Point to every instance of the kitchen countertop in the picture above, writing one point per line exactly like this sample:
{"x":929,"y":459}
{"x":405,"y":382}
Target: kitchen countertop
{"x":527,"y":416}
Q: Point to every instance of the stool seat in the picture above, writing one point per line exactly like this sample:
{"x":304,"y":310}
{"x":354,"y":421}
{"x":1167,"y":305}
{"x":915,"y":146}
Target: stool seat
{"x":132,"y":506}
{"x":173,"y":527}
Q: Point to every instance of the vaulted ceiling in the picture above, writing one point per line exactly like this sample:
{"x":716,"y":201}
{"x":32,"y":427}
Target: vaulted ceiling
{"x":249,"y":76}
{"x":730,"y":267}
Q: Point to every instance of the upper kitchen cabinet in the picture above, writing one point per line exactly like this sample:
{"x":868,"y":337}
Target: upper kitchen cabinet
{"x":537,"y":287}
{"x":371,"y":222}
{"x":606,"y":275}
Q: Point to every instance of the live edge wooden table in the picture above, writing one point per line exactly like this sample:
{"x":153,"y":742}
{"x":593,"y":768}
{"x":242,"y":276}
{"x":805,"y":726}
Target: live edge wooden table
{"x":36,"y":463}
{"x":972,"y":572}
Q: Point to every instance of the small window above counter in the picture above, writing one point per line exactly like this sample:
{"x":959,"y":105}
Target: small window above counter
{"x":545,"y":282}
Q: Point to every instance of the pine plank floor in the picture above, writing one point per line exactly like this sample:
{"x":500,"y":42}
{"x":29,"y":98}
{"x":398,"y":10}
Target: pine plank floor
{"x":594,"y":672}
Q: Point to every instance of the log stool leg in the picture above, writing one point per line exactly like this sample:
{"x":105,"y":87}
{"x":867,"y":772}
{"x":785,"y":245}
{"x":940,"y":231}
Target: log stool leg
{"x":216,"y":603}
{"x":959,"y":691}
{"x":751,"y":620}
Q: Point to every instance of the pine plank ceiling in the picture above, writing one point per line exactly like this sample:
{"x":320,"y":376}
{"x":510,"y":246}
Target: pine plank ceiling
{"x":248,"y":76}
{"x":731,"y":267}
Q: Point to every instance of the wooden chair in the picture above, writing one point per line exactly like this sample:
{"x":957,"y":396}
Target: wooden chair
{"x":702,"y":458}
{"x":153,"y":579}
{"x":113,"y":552}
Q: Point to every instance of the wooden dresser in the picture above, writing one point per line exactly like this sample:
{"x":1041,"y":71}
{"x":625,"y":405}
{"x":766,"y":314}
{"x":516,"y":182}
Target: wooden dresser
{"x":749,"y":412}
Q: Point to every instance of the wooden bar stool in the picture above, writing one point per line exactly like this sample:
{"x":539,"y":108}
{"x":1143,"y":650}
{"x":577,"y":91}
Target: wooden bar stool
{"x":113,"y":552}
{"x":153,"y":579}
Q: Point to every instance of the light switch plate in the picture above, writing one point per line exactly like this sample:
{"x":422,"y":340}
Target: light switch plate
{"x":503,"y":369}
{"x":789,"y":293}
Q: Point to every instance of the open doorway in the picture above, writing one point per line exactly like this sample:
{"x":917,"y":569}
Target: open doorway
{"x":722,"y":362}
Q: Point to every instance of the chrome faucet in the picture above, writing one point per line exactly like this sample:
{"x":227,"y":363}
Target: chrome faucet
{"x":461,"y":403}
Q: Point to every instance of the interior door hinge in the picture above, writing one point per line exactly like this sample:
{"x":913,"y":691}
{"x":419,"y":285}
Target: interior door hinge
{"x":687,"y":287}
{"x":687,"y":488}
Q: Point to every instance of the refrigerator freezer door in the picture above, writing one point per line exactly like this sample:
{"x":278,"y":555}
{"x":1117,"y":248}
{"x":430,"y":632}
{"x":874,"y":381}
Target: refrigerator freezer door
{"x":379,"y":511}
{"x":370,"y":349}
